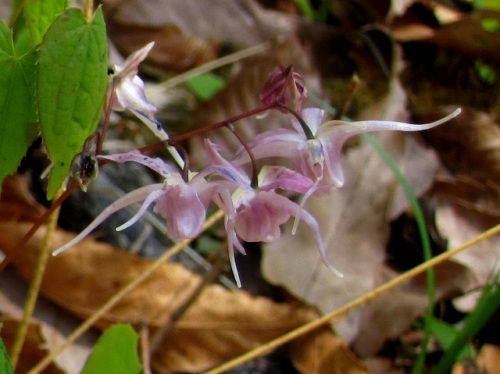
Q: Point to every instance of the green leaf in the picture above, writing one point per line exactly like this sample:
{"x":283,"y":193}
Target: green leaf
{"x":114,"y":353}
{"x":5,"y":367}
{"x":71,"y":86}
{"x":205,"y":86}
{"x":40,"y":14}
{"x":445,"y":335}
{"x":18,"y":127}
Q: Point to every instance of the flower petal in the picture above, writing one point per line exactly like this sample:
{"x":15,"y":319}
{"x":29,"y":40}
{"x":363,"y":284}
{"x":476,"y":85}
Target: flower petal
{"x":156,"y":164}
{"x":126,"y":200}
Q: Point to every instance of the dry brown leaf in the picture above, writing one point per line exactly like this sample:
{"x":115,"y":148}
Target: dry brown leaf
{"x":469,"y":145}
{"x":33,"y":349}
{"x":489,"y":359}
{"x":17,"y":202}
{"x":173,"y":51}
{"x":355,"y":228}
{"x":221,"y":324}
{"x":239,"y":24}
{"x":53,"y":323}
{"x":459,"y":224}
{"x":323,"y":353}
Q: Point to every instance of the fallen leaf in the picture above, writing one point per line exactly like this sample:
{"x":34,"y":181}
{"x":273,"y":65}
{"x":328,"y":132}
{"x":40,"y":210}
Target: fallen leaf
{"x":355,"y":229}
{"x":459,"y":224}
{"x":49,"y":321}
{"x":17,"y":202}
{"x":220,"y":325}
{"x":34,"y":346}
{"x":322,"y":353}
{"x":469,"y":145}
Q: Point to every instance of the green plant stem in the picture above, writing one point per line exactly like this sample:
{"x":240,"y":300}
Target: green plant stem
{"x":305,"y":8}
{"x":424,"y":237}
{"x":34,"y":288}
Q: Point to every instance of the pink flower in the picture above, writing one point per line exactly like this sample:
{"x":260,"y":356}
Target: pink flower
{"x":260,"y":212}
{"x":318,"y":156}
{"x":182,"y":204}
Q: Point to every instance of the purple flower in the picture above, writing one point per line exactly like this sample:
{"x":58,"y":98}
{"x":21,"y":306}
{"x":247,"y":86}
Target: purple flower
{"x":259,"y":212}
{"x":182,"y":204}
{"x":319,"y":157}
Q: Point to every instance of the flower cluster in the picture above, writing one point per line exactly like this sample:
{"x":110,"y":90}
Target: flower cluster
{"x":255,"y":205}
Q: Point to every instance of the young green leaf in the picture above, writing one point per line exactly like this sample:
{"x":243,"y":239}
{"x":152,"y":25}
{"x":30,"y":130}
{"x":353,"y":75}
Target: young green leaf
{"x":114,"y":353}
{"x":71,"y":86}
{"x":17,"y":104}
{"x":40,"y":14}
{"x":5,"y":367}
{"x":205,"y":86}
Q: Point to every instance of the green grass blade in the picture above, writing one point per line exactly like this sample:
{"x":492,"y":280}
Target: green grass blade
{"x":488,"y":303}
{"x":5,"y":367}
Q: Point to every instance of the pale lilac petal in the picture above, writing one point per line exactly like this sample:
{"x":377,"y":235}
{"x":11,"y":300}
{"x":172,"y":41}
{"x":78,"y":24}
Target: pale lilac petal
{"x":224,"y":168}
{"x":280,"y":177}
{"x":153,"y":196}
{"x":126,"y":200}
{"x":368,"y":126}
{"x":312,"y":117}
{"x":183,"y":211}
{"x":259,"y":218}
{"x":274,"y":143}
{"x":156,"y":164}
{"x":130,"y":95}
{"x":289,"y":207}
{"x":130,"y":66}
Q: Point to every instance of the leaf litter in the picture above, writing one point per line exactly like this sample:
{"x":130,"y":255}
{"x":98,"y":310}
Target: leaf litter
{"x":465,"y":198}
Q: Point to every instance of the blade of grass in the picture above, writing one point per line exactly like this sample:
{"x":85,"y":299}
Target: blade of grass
{"x":424,"y":238}
{"x":421,"y":227}
{"x":488,"y":303}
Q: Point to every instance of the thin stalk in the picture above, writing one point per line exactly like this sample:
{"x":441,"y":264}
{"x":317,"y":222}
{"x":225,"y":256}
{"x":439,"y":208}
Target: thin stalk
{"x":424,"y":237}
{"x":88,"y":10}
{"x":327,"y":318}
{"x":209,"y":66}
{"x":321,"y":14}
{"x":90,"y":321}
{"x":34,"y":288}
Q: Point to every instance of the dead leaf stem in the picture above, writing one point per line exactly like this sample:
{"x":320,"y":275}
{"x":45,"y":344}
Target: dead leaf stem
{"x":36,"y":282}
{"x":327,"y":318}
{"x":90,"y":321}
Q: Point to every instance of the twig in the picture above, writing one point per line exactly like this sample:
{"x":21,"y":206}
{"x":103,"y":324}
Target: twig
{"x":34,"y":288}
{"x":89,"y":322}
{"x":327,"y":318}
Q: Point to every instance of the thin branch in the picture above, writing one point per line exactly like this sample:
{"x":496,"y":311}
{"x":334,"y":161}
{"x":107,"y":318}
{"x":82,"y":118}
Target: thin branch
{"x":327,"y":318}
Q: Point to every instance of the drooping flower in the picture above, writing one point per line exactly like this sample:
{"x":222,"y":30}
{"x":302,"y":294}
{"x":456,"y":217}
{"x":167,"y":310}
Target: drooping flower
{"x":315,"y":151}
{"x":128,"y":89}
{"x":260,"y":212}
{"x":182,"y":204}
{"x":285,"y":86}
